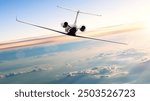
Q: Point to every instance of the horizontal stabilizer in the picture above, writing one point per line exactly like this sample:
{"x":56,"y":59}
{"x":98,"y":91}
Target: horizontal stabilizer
{"x":78,"y":11}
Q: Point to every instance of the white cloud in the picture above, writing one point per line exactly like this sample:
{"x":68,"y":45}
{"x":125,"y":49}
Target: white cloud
{"x":98,"y":72}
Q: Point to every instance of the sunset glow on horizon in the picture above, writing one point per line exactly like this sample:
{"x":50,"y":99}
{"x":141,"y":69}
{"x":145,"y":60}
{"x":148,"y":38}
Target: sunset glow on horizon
{"x":46,"y":13}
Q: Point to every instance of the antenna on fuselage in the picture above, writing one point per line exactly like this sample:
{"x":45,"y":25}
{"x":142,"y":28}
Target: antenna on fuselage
{"x":78,"y":11}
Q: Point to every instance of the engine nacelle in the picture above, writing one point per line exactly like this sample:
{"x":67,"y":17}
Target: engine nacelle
{"x":82,"y":29}
{"x":64,"y":24}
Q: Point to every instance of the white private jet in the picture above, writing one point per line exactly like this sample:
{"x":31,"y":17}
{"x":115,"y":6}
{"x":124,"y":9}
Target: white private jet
{"x":72,"y":30}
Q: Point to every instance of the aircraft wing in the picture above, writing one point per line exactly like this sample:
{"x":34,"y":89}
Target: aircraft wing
{"x":72,"y":36}
{"x":100,"y":39}
{"x":40,"y":26}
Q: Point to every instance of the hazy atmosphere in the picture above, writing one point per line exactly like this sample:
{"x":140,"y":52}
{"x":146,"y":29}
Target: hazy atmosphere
{"x":46,"y":13}
{"x":67,"y":60}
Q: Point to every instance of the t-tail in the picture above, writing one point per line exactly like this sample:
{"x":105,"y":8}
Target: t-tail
{"x":77,"y":13}
{"x":75,"y":22}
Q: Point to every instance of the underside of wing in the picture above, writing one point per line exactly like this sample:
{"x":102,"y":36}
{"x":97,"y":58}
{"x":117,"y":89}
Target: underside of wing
{"x":40,"y":26}
{"x":100,"y":40}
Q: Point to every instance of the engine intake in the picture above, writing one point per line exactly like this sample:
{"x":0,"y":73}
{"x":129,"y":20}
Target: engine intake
{"x":82,"y":29}
{"x":65,"y":24}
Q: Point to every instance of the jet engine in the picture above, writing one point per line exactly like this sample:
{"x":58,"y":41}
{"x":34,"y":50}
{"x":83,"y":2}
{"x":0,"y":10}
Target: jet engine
{"x":64,"y":24}
{"x":82,"y":29}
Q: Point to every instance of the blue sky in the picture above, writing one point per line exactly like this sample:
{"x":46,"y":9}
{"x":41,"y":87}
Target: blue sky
{"x":45,"y":12}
